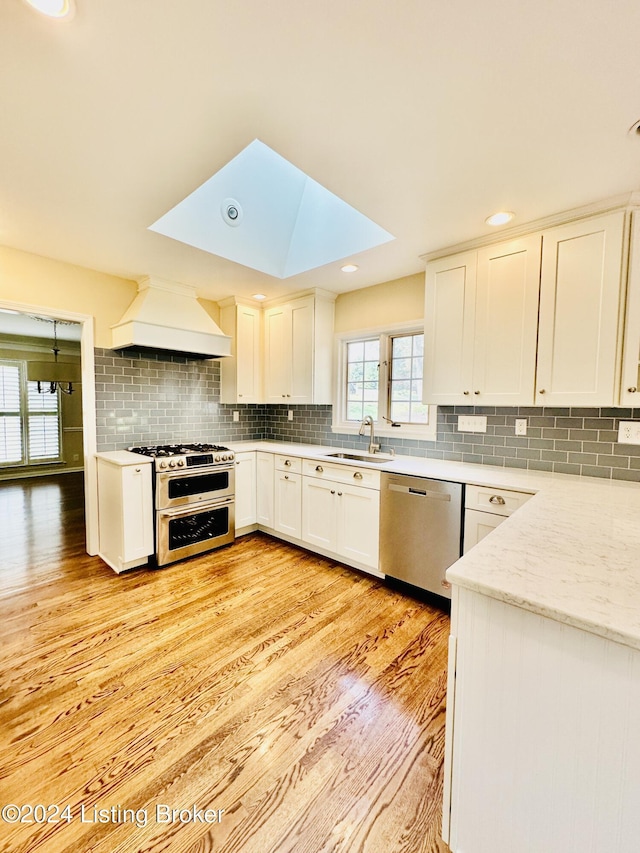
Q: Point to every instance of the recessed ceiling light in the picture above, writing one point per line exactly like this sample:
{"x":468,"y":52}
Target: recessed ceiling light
{"x":259,"y":296}
{"x":54,"y":8}
{"x":500,"y":218}
{"x":349,"y":268}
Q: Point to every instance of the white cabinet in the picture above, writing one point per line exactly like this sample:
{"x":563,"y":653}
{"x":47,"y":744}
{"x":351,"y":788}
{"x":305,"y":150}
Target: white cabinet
{"x":240,"y":372}
{"x":298,"y":339}
{"x":245,"y":503}
{"x":485,"y":508}
{"x":125,"y":509}
{"x":264,"y":488}
{"x":288,"y":496}
{"x":340,"y":516}
{"x":481,"y":315}
{"x":630,"y":384}
{"x":580,"y":299}
{"x":543,"y":734}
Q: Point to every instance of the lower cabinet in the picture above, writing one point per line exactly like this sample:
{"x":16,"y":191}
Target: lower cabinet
{"x":264,"y":488}
{"x":485,"y":509}
{"x":125,"y":509}
{"x":245,"y":490}
{"x":342,"y":519}
{"x":287,"y":516}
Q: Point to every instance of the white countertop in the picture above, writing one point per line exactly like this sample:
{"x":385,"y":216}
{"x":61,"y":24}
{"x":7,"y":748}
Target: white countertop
{"x":571,"y":553}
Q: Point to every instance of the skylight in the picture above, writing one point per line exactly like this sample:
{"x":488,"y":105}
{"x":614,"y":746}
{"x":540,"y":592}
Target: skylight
{"x":263,"y":212}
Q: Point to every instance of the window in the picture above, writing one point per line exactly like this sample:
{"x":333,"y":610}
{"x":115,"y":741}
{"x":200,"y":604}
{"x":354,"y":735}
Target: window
{"x":29,"y":422}
{"x":380,"y":375}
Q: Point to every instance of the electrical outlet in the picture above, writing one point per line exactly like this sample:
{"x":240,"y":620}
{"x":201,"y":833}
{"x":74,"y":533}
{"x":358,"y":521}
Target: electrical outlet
{"x":472,"y":423}
{"x":236,"y":417}
{"x":629,"y":432}
{"x":521,"y":426}
{"x":290,"y":414}
{"x":76,"y":457}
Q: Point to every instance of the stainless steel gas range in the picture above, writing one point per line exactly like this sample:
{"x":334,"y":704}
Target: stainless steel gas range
{"x":194,"y":498}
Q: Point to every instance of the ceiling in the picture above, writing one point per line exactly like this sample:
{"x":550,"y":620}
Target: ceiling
{"x":30,"y":326}
{"x":425,"y":116}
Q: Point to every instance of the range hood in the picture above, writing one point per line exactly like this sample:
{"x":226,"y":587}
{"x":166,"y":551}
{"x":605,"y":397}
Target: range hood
{"x":166,"y":315}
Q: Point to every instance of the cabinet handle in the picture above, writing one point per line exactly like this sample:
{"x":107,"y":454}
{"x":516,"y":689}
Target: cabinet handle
{"x":138,"y":470}
{"x":632,"y":390}
{"x":286,"y":476}
{"x":288,"y":395}
{"x":319,"y":468}
{"x":237,"y":461}
{"x":496,"y":499}
{"x":476,"y":392}
{"x":358,"y":475}
{"x":287,"y":462}
{"x":466,"y":393}
{"x":284,"y":395}
{"x":239,"y":395}
{"x":541,"y":391}
{"x":339,"y":494}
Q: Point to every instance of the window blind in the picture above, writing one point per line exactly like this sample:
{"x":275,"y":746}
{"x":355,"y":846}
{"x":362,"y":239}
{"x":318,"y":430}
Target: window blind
{"x":11,"y":449}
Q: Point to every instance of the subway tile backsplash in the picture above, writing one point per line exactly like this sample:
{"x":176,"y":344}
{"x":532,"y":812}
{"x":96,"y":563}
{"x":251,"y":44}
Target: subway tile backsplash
{"x":151,"y":398}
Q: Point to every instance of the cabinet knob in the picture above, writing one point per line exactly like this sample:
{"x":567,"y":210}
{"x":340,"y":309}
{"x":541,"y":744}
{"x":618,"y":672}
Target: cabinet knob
{"x":288,"y":395}
{"x":339,"y":494}
{"x":284,"y":395}
{"x":632,"y":390}
{"x":357,"y":475}
{"x":496,"y":499}
{"x":287,"y":462}
{"x":239,"y":395}
{"x":138,"y":470}
{"x":333,"y":491}
{"x":541,"y":391}
{"x":237,"y":461}
{"x":286,"y":476}
{"x":319,"y":469}
{"x":466,"y":393}
{"x":476,"y":392}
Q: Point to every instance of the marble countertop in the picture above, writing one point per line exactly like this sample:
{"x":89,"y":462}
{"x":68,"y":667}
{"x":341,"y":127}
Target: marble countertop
{"x":571,"y":553}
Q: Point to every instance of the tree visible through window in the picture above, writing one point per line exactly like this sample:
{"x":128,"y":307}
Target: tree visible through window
{"x":384,"y":379}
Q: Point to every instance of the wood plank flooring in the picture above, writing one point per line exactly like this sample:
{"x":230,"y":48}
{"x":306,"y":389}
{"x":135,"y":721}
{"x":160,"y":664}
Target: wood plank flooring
{"x":302,"y":698}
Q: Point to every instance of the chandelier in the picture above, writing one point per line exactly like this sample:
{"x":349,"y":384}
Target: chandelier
{"x":55,"y":375}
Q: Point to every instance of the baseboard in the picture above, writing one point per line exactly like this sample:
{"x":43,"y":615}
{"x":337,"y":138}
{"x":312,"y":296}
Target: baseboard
{"x":23,"y":475}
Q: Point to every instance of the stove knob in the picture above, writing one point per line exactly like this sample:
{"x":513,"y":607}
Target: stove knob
{"x":217,"y":459}
{"x":180,"y":463}
{"x":163,"y":464}
{"x":172,"y":463}
{"x":224,"y":457}
{"x":230,"y":456}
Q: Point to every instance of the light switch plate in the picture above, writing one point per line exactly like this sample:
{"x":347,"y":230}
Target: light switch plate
{"x":521,"y":426}
{"x":472,"y":423}
{"x":290,"y":414}
{"x":629,"y":432}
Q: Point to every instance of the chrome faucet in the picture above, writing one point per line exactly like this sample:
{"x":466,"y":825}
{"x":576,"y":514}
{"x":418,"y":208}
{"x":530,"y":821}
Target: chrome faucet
{"x":368,"y":422}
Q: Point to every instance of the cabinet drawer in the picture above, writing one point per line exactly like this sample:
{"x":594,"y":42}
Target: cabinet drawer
{"x":498,"y":501}
{"x":292,"y":464}
{"x":357,"y":476}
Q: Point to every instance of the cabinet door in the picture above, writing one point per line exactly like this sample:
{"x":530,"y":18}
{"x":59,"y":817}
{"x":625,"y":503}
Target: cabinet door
{"x":449,"y":319}
{"x":319,"y":512}
{"x":245,"y":489}
{"x":580,"y":297}
{"x":288,"y":504}
{"x":264,"y":489}
{"x":506,"y":323}
{"x":302,"y":349}
{"x":477,"y":525}
{"x":358,"y":522}
{"x":630,"y":386}
{"x":277,"y":354}
{"x":248,"y":354}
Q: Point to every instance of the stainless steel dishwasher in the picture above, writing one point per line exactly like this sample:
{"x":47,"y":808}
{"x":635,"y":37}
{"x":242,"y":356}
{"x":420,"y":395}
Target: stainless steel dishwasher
{"x":420,"y":530}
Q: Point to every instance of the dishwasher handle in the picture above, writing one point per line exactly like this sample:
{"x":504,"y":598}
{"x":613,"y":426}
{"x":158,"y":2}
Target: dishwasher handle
{"x":421,"y":493}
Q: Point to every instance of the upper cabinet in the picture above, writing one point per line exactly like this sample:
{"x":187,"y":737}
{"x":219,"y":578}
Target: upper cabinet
{"x":481,"y":316}
{"x":298,"y":336}
{"x":630,"y":383}
{"x":580,"y":301}
{"x":536,"y":320}
{"x":240,"y":372}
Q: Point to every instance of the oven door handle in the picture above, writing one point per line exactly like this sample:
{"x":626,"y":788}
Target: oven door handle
{"x":194,"y":508}
{"x":185,"y":473}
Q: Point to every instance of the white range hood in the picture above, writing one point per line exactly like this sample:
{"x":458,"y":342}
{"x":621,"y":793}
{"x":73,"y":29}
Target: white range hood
{"x":166,"y":315}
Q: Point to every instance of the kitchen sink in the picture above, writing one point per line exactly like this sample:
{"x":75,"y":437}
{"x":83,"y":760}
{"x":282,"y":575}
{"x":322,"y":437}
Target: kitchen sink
{"x":377,"y":458}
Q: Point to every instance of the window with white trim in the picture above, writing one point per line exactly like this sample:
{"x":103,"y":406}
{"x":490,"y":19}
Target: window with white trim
{"x":29,"y":421}
{"x":380,"y":375}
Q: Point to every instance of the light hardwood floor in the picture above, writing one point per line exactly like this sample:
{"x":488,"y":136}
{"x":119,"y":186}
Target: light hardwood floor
{"x":304,"y":699}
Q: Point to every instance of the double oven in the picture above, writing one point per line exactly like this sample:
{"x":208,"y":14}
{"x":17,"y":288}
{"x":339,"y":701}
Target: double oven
{"x":194,"y":499}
